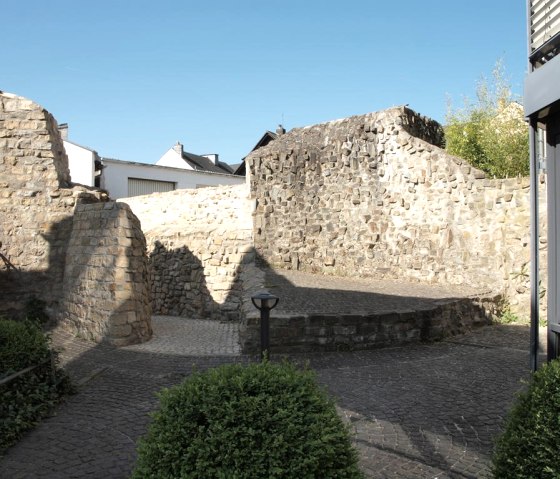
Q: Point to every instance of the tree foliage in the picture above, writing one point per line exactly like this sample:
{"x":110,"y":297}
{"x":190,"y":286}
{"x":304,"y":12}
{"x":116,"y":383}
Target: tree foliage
{"x":491,"y":132}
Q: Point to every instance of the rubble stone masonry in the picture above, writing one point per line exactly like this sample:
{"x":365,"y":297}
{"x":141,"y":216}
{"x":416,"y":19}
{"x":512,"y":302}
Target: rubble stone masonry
{"x":367,"y":196}
{"x":106,"y":295}
{"x":376,"y":196}
{"x":198,"y":241}
{"x":41,"y":216}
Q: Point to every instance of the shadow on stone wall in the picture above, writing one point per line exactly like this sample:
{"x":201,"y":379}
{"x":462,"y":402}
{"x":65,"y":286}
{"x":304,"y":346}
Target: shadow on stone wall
{"x":184,"y":285}
{"x":178,"y":283}
{"x":93,"y":280}
{"x":24,"y":284}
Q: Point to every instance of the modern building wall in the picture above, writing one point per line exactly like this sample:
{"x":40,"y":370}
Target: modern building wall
{"x":81,"y":162}
{"x":542,"y":108}
{"x":116,"y":173}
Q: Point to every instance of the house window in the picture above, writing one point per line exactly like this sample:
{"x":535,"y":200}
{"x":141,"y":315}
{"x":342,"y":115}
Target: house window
{"x":139,"y":186}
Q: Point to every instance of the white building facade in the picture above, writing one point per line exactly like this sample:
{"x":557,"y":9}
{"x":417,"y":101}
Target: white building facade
{"x":176,"y":169}
{"x":81,"y":163}
{"x":123,"y":179}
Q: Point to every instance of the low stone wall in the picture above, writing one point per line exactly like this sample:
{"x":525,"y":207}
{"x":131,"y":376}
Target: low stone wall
{"x":313,"y":332}
{"x":339,"y":332}
{"x":198,"y":240}
{"x":363,"y":196}
{"x":106,"y":295}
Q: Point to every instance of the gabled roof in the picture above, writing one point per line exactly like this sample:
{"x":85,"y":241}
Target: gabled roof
{"x":201,"y":163}
{"x":79,"y":146}
{"x":265,"y":140}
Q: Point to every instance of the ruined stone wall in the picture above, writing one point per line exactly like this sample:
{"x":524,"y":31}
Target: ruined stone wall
{"x":362,"y":196}
{"x":106,"y":295}
{"x":36,"y":204}
{"x":198,"y":240}
{"x":45,"y":240}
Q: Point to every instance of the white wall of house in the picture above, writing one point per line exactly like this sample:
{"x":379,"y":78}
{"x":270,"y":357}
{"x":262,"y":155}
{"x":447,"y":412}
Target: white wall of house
{"x":81,"y":163}
{"x":116,"y":173}
{"x":173,"y":159}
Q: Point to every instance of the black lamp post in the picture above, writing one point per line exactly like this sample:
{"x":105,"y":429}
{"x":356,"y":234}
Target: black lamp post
{"x":264,"y":302}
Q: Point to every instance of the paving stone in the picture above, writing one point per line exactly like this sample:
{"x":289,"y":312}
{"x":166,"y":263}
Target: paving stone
{"x":422,"y":411}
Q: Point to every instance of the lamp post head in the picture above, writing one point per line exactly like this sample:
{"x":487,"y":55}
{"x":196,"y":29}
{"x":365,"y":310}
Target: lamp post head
{"x":264,"y":300}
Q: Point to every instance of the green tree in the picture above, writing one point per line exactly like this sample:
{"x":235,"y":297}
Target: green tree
{"x":491,"y":132}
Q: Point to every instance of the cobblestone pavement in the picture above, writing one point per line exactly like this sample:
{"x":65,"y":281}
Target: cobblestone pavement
{"x":327,"y":294}
{"x":202,"y":337}
{"x":422,"y":411}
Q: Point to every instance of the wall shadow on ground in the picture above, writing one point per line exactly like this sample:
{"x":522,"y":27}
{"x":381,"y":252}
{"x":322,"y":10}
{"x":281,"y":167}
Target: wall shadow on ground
{"x":414,"y":408}
{"x":406,"y":395}
{"x":326,"y":313}
{"x":434,"y":406}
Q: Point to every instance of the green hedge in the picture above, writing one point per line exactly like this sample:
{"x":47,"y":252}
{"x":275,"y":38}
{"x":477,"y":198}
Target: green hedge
{"x":257,"y":421}
{"x":530,"y":444}
{"x":27,"y":398}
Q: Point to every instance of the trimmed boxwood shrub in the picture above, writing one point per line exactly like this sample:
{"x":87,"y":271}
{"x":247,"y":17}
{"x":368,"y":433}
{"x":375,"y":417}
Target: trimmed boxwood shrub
{"x":27,"y":398}
{"x":530,"y":444}
{"x":258,"y":421}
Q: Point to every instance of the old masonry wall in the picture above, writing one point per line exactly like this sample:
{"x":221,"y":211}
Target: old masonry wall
{"x":198,"y":241}
{"x":376,"y":196}
{"x":51,"y":232}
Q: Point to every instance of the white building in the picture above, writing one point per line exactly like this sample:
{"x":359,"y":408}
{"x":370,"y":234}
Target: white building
{"x":82,"y":163}
{"x":123,"y":179}
{"x":176,"y":169}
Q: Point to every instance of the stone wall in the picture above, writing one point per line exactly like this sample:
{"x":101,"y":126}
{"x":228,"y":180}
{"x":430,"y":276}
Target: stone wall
{"x":198,"y":240}
{"x":37,"y":206}
{"x":363,"y":196}
{"x":291,"y":333}
{"x":106,"y":295}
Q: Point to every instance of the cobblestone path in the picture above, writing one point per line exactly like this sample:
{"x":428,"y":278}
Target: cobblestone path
{"x":422,"y":411}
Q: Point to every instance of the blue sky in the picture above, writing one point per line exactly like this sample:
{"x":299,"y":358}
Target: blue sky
{"x":133,"y":77}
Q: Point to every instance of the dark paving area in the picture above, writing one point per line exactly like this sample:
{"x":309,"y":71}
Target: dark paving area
{"x":422,"y":411}
{"x":427,"y":411}
{"x":310,"y":293}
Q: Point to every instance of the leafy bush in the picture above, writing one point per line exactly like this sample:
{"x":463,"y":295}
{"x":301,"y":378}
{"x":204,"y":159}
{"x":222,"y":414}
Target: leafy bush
{"x":490,"y":133}
{"x":505,"y":315}
{"x":27,"y":398}
{"x":35,"y":310}
{"x":257,"y":421}
{"x":530,"y":444}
